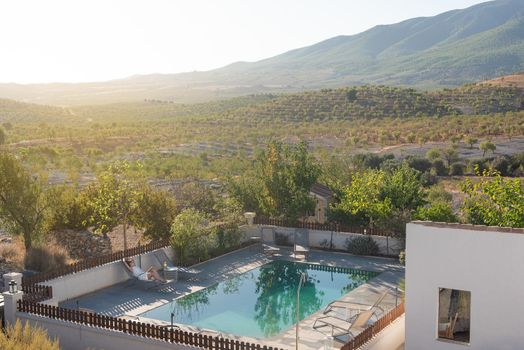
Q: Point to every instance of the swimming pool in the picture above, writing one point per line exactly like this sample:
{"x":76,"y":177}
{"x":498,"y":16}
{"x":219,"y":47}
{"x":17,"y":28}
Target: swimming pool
{"x":262,"y":302}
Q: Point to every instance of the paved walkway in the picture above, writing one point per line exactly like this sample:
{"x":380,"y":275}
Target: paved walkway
{"x":130,"y":299}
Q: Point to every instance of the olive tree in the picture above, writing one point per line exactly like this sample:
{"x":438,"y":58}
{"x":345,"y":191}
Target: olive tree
{"x":487,"y":146}
{"x":113,"y":198}
{"x":24,"y":205}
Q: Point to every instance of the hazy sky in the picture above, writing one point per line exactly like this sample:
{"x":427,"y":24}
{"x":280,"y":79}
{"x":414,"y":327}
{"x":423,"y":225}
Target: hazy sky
{"x":92,"y":40}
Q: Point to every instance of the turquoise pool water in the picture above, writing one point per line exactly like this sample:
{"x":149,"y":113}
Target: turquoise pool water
{"x":262,"y":302}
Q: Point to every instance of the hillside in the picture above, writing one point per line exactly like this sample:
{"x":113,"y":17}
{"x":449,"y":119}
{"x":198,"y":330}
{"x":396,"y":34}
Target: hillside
{"x":450,"y":49}
{"x":382,"y":101}
{"x":14,"y":111}
{"x":349,"y":103}
{"x":515,"y":80}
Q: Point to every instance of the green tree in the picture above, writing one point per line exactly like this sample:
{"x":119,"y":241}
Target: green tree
{"x":361,"y":202}
{"x":450,"y":155}
{"x":471,"y":141}
{"x":24,"y":206}
{"x":487,"y":146}
{"x":190,"y":235}
{"x":494,"y":201}
{"x":196,"y":195}
{"x":437,"y":212}
{"x":286,"y":174}
{"x":71,"y":208}
{"x":155,"y":213}
{"x":403,"y":188}
{"x":433,"y":154}
{"x":113,"y":198}
{"x":229,"y":217}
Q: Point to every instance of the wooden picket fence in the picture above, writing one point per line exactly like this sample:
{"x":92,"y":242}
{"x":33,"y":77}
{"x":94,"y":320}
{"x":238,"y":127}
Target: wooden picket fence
{"x":92,"y":262}
{"x":140,"y":329}
{"x":36,"y":293}
{"x":334,"y":227}
{"x":366,"y":335}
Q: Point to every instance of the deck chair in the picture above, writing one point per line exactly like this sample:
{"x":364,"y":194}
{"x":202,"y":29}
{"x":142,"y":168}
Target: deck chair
{"x":446,"y":329}
{"x":268,"y":242}
{"x":146,"y":284}
{"x":344,"y":327}
{"x":351,"y":306}
{"x":301,"y":244}
{"x":171,"y":270}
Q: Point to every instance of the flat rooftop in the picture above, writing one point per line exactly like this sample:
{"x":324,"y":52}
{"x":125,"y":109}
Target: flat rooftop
{"x":130,"y":299}
{"x":470,"y":227}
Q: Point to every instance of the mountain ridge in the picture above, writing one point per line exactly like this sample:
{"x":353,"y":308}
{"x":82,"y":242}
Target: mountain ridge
{"x":450,"y":49}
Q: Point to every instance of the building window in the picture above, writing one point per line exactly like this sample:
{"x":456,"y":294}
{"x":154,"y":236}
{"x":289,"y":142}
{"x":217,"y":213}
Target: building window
{"x":454,"y":314}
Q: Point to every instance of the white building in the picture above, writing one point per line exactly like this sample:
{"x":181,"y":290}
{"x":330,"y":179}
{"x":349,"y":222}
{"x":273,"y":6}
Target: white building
{"x":464,"y":287}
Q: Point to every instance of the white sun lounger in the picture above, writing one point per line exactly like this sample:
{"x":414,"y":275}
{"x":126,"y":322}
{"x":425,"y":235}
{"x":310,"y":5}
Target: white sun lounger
{"x":344,"y":327}
{"x":355,"y":306}
{"x":270,"y":249}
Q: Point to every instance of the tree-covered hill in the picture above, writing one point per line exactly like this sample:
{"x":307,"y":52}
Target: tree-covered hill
{"x":349,"y":103}
{"x":382,"y":101}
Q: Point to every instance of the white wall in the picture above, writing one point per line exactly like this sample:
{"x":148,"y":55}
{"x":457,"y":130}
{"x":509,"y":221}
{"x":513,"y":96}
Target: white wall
{"x":319,"y":239}
{"x":80,"y":337}
{"x":87,"y":281}
{"x":489,"y":264}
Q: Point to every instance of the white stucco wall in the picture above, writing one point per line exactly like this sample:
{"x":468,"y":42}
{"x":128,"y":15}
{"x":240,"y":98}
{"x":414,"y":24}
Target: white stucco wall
{"x":489,"y":264}
{"x":80,"y":337}
{"x":87,"y":281}
{"x":322,"y":239}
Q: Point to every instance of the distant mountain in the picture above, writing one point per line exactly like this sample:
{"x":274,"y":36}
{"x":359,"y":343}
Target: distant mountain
{"x":460,"y":46}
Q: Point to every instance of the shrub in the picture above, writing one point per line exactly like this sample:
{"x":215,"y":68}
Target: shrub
{"x":456,"y":169}
{"x":502,"y":165}
{"x":26,"y":337}
{"x":439,"y":194}
{"x":46,"y":258}
{"x":191,"y":236}
{"x":433,"y":154}
{"x":477,"y":166}
{"x":437,"y":212}
{"x":439,"y":167}
{"x":390,"y":165}
{"x":70,"y":209}
{"x":428,"y":179}
{"x":402,"y":258}
{"x":228,"y":236}
{"x":8,"y":252}
{"x":362,"y":245}
{"x":420,"y":164}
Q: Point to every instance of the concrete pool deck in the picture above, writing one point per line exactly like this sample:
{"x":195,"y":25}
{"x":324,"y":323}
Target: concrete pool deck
{"x":130,"y":299}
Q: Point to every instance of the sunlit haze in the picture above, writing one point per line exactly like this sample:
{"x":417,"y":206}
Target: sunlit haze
{"x":72,"y":41}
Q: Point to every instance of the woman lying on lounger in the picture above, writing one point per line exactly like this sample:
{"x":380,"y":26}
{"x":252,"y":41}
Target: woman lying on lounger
{"x":149,"y":275}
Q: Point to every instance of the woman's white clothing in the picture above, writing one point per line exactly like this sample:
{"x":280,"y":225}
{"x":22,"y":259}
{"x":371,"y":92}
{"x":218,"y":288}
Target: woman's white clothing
{"x":139,"y":273}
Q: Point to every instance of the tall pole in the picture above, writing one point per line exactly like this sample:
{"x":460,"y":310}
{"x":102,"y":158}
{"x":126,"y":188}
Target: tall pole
{"x":302,"y":281}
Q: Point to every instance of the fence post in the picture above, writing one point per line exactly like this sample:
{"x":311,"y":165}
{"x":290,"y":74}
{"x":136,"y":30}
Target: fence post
{"x":11,"y":302}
